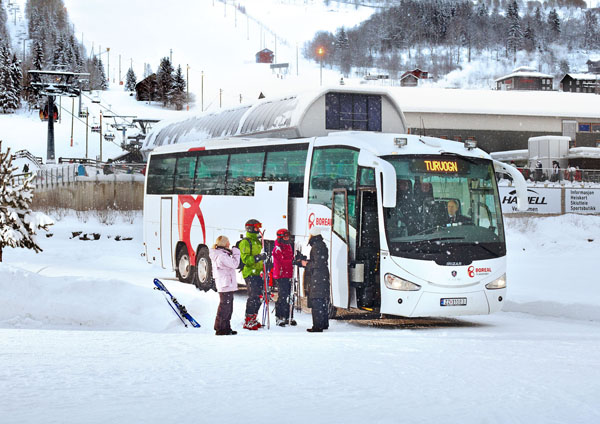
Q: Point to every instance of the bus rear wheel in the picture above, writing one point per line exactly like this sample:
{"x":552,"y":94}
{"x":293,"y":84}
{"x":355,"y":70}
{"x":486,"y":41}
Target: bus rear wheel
{"x":184,"y":268}
{"x":204,"y":279}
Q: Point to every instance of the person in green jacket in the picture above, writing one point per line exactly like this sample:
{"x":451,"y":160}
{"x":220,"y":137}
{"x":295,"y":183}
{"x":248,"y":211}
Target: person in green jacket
{"x":252,"y":258}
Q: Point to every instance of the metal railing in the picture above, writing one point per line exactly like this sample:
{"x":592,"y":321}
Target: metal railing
{"x":569,"y":174}
{"x":54,"y":176}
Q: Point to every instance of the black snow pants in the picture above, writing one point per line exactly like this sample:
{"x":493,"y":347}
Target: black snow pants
{"x":224,"y":312}
{"x":255,"y":286}
{"x":282,"y":306}
{"x":320,"y":315}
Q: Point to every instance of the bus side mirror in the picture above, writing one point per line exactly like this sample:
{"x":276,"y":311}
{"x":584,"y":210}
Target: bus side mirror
{"x":388,"y":174}
{"x":518,"y":181}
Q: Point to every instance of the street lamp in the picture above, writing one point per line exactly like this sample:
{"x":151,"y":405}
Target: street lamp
{"x":321,"y":52}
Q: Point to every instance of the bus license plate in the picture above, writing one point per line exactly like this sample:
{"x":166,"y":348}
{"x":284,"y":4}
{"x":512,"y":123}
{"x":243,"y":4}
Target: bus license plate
{"x":453,"y":301}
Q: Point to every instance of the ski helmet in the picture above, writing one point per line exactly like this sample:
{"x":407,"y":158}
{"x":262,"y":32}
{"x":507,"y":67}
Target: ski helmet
{"x":283,"y":235}
{"x":253,"y":226}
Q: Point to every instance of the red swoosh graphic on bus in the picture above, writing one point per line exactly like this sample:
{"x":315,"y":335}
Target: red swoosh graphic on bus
{"x":184,"y":222}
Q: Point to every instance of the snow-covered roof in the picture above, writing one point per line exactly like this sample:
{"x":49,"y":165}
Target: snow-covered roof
{"x":524,"y":73}
{"x":583,"y":76}
{"x":507,"y":155}
{"x":497,"y":102}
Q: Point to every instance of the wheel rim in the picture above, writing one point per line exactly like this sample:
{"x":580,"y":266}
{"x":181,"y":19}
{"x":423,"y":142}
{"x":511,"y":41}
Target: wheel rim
{"x":202,"y":270}
{"x":184,"y":266}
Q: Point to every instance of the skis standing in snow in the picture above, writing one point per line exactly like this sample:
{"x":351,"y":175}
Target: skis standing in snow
{"x":177,"y":307}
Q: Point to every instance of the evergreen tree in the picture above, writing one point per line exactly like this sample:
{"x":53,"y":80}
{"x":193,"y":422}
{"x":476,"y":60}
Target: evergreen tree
{"x":178,"y":95}
{"x":164,"y":80}
{"x":529,"y":38}
{"x":101,"y":76}
{"x":554,"y":23}
{"x":9,"y":93}
{"x":515,"y":34}
{"x":342,"y":51}
{"x":18,"y":223}
{"x":130,"y":80}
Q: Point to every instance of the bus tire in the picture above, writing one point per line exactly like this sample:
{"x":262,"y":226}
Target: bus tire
{"x":204,"y":279}
{"x":184,"y":270}
{"x":331,"y":310}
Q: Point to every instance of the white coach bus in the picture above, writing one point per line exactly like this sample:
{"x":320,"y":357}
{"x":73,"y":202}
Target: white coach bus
{"x":381,"y":201}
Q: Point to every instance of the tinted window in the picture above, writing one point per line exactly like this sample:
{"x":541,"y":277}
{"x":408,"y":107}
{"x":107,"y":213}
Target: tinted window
{"x":210,"y":174}
{"x":287,"y":166}
{"x":161,"y":172}
{"x":333,"y":167}
{"x":347,"y":111}
{"x":184,"y":174}
{"x":244,"y":169}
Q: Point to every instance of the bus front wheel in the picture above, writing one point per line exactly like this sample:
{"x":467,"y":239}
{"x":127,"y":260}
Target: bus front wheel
{"x":204,"y":278}
{"x":184,"y":271}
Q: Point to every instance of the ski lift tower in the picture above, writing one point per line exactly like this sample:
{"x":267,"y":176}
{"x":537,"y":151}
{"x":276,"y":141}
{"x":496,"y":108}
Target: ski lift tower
{"x":52,"y":84}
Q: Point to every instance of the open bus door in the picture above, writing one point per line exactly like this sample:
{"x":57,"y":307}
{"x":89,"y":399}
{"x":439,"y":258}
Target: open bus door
{"x":338,"y":256}
{"x":166,"y":228}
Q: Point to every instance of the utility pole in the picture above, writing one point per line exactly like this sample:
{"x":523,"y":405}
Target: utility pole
{"x":220,"y":97}
{"x":202,"y":92}
{"x":187,"y":86}
{"x":100,"y":136}
{"x":72,"y":117}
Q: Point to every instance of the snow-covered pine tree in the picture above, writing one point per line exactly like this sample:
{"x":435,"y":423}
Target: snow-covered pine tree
{"x":179,"y":85}
{"x":130,"y":80}
{"x":17,"y":76}
{"x":554,"y":23}
{"x":9,"y":96}
{"x":18,"y":223}
{"x":101,"y":76}
{"x":164,"y":80}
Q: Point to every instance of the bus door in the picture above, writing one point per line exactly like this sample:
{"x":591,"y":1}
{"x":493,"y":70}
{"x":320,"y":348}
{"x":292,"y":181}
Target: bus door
{"x":166,"y":228}
{"x":364,"y":275}
{"x":338,"y":256}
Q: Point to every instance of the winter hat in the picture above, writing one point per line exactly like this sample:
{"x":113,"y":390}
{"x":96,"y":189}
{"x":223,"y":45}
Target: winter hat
{"x":314,"y":231}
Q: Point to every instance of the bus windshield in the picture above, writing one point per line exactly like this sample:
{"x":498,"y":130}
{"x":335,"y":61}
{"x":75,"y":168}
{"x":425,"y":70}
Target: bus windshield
{"x":447,"y":210}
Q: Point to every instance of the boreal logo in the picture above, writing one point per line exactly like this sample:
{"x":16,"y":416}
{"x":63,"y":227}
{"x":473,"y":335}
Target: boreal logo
{"x":454,"y":273}
{"x":533,"y":198}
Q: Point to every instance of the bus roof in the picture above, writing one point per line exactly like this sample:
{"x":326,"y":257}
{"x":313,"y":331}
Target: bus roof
{"x":293,"y":116}
{"x":379,"y":144}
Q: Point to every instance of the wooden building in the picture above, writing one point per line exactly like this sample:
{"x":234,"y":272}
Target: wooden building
{"x":525,"y":78}
{"x":265,"y":56}
{"x":593,"y":66}
{"x":580,"y":83}
{"x":145,"y":90}
{"x":411,"y":78}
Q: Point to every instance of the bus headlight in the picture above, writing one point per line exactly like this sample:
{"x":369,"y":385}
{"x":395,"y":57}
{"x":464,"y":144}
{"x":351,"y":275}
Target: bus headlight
{"x":498,"y":283}
{"x":397,"y":283}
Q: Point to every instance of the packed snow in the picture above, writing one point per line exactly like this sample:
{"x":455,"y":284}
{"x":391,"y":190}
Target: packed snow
{"x":87,"y":339}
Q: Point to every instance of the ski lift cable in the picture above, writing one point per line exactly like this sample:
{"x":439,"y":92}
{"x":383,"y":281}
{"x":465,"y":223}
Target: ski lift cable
{"x":89,"y":126}
{"x":114,"y":114}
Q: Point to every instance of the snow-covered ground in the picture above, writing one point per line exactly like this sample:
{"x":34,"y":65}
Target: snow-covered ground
{"x":86,"y":339}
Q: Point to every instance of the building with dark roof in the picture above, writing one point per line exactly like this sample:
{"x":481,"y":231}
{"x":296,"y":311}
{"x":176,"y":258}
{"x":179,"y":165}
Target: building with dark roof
{"x":525,"y":78}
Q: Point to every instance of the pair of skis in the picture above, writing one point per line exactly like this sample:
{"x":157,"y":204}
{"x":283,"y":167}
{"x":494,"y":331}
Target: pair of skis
{"x":177,"y":307}
{"x":266,"y":316}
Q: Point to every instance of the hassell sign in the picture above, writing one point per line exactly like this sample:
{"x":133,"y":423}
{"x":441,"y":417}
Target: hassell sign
{"x":540,"y":200}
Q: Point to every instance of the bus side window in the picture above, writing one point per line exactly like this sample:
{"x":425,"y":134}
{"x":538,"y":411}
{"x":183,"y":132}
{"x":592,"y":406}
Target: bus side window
{"x":184,"y":174}
{"x":161,"y":172}
{"x":287,"y":166}
{"x":244,"y":169}
{"x":210,"y":174}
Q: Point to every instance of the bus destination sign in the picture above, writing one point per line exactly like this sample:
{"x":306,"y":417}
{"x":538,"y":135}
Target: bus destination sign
{"x":440,"y":166}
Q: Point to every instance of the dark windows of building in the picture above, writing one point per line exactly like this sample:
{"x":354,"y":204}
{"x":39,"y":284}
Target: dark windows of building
{"x":347,"y":111}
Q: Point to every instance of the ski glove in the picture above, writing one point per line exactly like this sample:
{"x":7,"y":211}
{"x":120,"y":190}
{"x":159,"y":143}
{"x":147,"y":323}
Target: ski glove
{"x":260,"y":257}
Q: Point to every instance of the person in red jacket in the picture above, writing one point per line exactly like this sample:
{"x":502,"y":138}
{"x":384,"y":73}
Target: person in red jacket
{"x":283,"y":271}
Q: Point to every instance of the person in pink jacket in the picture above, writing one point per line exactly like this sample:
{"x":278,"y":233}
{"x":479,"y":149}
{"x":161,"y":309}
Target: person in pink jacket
{"x":224,"y":264}
{"x":283,"y":271}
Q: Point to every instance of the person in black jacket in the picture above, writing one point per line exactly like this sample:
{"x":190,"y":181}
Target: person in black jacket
{"x":317,"y":273}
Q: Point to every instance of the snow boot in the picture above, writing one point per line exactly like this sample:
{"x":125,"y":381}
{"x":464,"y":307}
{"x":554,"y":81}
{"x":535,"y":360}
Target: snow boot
{"x":255,"y":323}
{"x":281,"y":322}
{"x":314,"y":330}
{"x":293,"y":323}
{"x":251,"y":323}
